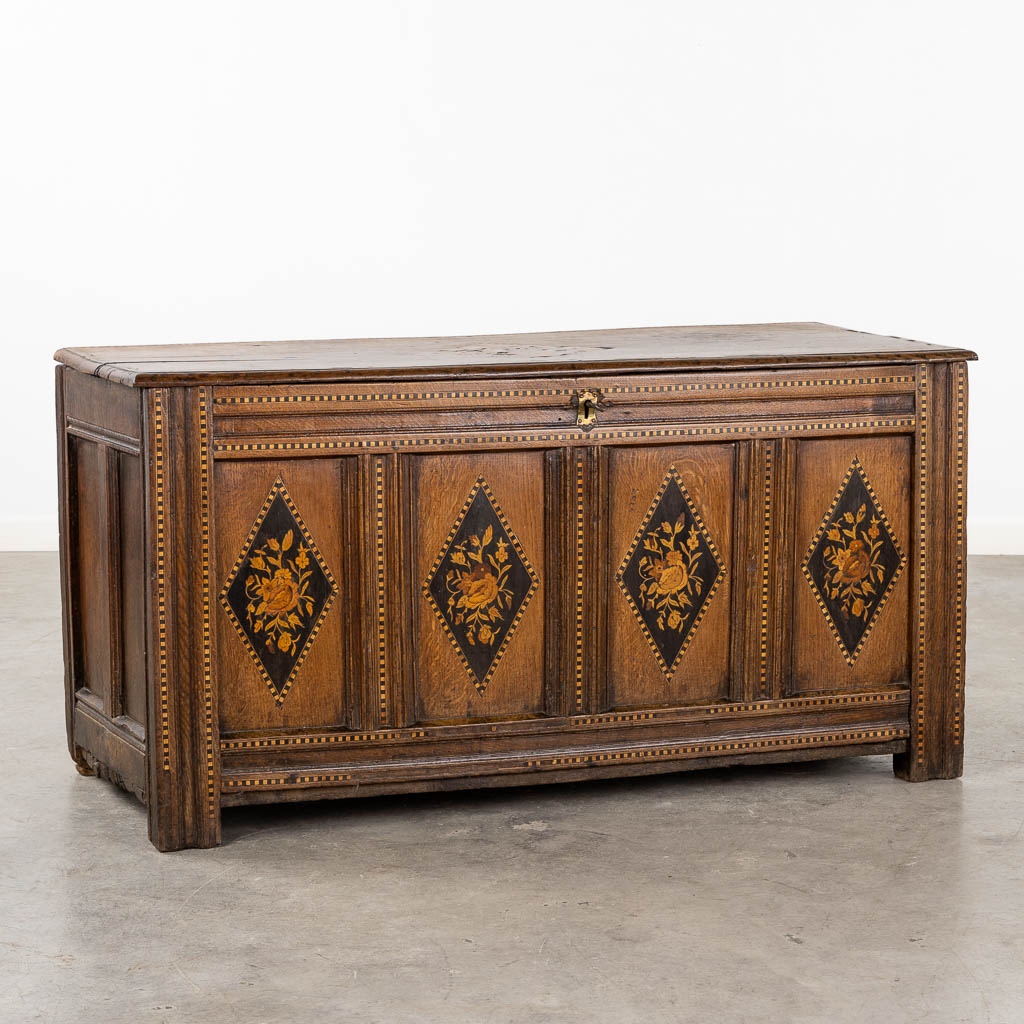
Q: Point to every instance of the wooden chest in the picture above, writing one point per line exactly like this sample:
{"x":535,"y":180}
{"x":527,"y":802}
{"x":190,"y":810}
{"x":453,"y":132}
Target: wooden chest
{"x":327,"y":569}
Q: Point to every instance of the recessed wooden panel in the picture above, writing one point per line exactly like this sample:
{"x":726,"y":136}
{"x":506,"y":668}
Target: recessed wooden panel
{"x":691,"y":598}
{"x":93,"y":633}
{"x":321,"y":688}
{"x":455,"y":499}
{"x":846,"y":636}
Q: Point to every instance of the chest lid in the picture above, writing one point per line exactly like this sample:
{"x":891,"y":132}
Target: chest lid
{"x":620,"y":351}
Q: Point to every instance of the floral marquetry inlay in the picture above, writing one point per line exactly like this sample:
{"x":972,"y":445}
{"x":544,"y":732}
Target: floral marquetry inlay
{"x":853,"y":562}
{"x":278,"y":591}
{"x":671,"y":572}
{"x":480,"y":584}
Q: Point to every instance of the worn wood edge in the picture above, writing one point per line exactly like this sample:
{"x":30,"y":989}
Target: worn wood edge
{"x":66,"y":546}
{"x":102,"y":742}
{"x":134,"y":731}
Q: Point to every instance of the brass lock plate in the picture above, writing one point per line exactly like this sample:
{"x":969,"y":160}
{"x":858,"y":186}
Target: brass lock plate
{"x":586,"y":409}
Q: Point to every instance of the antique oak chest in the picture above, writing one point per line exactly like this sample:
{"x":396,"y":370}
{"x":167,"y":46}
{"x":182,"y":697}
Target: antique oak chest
{"x":300,"y":570}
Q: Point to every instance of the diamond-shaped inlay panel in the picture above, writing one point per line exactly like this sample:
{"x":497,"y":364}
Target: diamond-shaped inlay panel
{"x":671,"y":572}
{"x":278,"y":591}
{"x":480,"y":584}
{"x":853,"y":562}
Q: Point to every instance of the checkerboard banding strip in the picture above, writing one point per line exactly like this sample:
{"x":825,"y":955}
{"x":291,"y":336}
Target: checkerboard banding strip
{"x":161,"y":573}
{"x":321,"y":739}
{"x":958,"y":668}
{"x":624,"y":718}
{"x":204,"y":473}
{"x":579,"y":582}
{"x":624,"y":389}
{"x":258,"y":782}
{"x":765,"y":560}
{"x":778,"y":743}
{"x":922,"y":566}
{"x":598,"y":434}
{"x":756,"y":385}
{"x":768,"y":707}
{"x":382,"y":669}
{"x":613,"y":756}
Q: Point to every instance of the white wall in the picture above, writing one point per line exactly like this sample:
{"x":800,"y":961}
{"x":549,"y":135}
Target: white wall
{"x":225,"y":171}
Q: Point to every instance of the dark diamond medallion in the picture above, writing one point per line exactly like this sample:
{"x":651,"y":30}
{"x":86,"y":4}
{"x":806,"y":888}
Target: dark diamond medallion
{"x":671,"y":572}
{"x":480,"y":584}
{"x":278,"y":592}
{"x":853,"y":562}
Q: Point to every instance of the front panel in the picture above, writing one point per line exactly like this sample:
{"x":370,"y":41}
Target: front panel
{"x":849,"y":551}
{"x":506,"y":590}
{"x":670,"y":514}
{"x":287,"y":593}
{"x":477,"y":525}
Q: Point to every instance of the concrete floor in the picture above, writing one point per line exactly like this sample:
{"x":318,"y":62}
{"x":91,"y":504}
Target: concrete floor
{"x":801,"y":893}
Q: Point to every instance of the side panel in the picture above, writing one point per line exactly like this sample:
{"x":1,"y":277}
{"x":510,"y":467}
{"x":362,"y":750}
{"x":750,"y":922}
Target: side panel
{"x":99,"y":430}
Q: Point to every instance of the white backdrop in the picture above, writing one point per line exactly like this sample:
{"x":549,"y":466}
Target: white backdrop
{"x":222,"y":171}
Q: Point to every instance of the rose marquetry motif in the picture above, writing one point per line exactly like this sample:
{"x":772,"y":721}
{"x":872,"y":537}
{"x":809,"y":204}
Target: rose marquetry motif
{"x":853,"y":562}
{"x":671,"y":572}
{"x":480,"y":584}
{"x":278,"y":592}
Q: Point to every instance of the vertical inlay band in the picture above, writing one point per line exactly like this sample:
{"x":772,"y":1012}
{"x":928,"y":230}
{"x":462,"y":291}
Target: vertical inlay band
{"x":579,"y":582}
{"x":765,"y":566}
{"x":381,"y":612}
{"x":922,"y":559}
{"x":204,"y":512}
{"x":161,"y":572}
{"x":961,"y":552}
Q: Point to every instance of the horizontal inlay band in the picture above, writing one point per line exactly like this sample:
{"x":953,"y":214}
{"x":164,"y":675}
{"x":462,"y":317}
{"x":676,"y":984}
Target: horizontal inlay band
{"x":321,"y":739}
{"x":268,"y":781}
{"x":615,"y":389}
{"x":504,"y":765}
{"x":722,"y":747}
{"x":753,"y":707}
{"x":667,"y":715}
{"x":598,"y":434}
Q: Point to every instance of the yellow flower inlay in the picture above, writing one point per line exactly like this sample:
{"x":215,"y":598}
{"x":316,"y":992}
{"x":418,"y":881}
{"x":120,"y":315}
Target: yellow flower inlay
{"x":478,"y":593}
{"x":277,"y":592}
{"x":668,"y":573}
{"x":853,"y":566}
